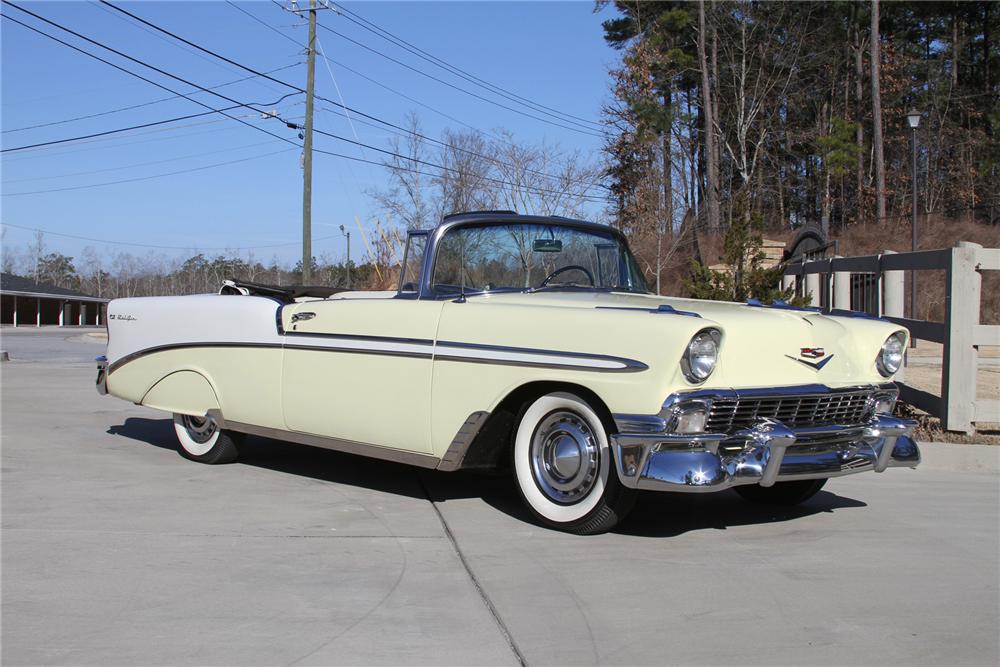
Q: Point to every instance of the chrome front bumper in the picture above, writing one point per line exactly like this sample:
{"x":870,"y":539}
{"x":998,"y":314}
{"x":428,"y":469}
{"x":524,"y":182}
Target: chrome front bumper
{"x":766,"y":453}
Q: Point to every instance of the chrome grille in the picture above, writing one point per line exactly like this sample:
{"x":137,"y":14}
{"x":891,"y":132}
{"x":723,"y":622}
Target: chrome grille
{"x":802,"y":411}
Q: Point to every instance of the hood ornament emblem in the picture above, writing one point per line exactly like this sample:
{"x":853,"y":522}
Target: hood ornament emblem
{"x":812,"y":353}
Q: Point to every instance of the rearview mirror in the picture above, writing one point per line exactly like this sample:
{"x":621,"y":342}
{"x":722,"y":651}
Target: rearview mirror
{"x":547,"y":245}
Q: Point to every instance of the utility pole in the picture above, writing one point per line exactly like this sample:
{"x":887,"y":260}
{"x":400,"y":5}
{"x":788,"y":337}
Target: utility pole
{"x":348,"y":235}
{"x":307,"y":150}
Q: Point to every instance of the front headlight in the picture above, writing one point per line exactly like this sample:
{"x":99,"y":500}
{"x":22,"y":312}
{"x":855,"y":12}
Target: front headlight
{"x":890,"y":357}
{"x":701,"y":354}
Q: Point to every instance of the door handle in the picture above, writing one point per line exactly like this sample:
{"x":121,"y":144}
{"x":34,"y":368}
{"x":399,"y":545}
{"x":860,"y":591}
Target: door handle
{"x":300,"y":317}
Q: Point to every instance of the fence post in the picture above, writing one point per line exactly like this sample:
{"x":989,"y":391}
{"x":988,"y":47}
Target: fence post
{"x":958,"y":375}
{"x":842,"y":289}
{"x":892,"y":291}
{"x":787,"y":281}
{"x":812,"y":289}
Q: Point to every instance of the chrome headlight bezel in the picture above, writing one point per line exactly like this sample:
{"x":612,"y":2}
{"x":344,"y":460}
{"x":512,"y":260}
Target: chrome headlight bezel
{"x":696,"y":365}
{"x":890,"y":357}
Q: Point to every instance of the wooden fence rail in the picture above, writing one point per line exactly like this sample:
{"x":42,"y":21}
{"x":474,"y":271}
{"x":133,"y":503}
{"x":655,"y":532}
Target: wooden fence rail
{"x":833,"y":283}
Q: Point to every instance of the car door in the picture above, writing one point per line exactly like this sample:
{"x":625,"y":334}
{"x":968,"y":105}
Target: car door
{"x":359,"y":369}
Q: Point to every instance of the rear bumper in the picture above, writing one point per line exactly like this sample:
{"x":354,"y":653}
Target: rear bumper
{"x":764,"y":454}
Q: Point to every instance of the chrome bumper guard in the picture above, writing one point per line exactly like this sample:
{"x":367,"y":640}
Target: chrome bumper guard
{"x":766,"y":453}
{"x":102,"y":375}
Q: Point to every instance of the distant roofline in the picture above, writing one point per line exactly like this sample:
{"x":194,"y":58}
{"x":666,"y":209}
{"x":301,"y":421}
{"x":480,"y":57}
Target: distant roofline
{"x":28,"y":288}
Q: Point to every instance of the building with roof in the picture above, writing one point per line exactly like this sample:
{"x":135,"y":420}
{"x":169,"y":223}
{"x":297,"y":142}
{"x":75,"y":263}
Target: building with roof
{"x":23,"y":302}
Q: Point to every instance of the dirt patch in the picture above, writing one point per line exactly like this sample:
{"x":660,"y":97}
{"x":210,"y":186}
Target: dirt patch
{"x":929,"y":429}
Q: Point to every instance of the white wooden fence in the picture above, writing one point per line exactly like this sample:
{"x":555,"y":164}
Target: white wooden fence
{"x":831,"y":283}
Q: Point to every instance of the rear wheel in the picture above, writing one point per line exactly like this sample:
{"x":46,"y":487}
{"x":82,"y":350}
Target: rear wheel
{"x":782,"y":493}
{"x":563,"y":467}
{"x":202,"y":440}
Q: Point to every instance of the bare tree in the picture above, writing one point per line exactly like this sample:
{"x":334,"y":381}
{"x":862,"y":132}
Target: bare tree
{"x":759,"y":60}
{"x":405,"y":199}
{"x":877,"y":115}
{"x":477,"y":172}
{"x":711,"y":165}
{"x":35,"y":253}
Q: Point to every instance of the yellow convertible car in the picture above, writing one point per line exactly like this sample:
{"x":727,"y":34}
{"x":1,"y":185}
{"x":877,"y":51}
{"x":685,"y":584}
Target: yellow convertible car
{"x":528,"y":342}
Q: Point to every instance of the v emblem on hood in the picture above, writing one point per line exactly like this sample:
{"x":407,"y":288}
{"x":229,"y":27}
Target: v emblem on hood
{"x":815,"y":366}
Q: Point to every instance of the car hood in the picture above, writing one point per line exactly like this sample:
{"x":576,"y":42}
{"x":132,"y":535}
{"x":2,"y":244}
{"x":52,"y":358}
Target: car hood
{"x":760,"y":344}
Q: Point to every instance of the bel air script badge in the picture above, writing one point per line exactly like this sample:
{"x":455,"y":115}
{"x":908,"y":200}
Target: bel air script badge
{"x":812,"y":353}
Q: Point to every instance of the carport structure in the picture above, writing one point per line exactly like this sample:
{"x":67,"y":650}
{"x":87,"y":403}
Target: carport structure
{"x":23,"y":302}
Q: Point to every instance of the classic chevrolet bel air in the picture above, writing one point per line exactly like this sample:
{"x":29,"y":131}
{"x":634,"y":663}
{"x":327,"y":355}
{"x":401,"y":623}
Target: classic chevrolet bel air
{"x":533,"y":343}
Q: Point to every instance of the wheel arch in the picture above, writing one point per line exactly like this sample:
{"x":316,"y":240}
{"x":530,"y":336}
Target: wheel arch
{"x":182,"y":392}
{"x":489,"y":447}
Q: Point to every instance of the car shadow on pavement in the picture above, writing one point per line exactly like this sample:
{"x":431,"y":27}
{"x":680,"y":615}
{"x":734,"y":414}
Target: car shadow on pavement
{"x":671,"y":514}
{"x":655,"y":514}
{"x":325,"y":464}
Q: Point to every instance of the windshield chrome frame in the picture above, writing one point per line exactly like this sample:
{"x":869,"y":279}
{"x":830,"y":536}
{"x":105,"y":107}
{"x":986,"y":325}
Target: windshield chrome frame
{"x":493,"y":219}
{"x":406,"y":255}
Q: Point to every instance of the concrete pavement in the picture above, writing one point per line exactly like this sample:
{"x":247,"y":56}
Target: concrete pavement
{"x":115,"y":550}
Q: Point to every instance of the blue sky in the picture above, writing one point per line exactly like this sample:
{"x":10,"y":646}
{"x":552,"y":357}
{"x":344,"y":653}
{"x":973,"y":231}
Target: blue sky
{"x":552,"y":53}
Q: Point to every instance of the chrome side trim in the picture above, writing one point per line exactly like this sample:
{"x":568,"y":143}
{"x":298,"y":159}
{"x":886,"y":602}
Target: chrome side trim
{"x":358,"y":337}
{"x":180,"y":346}
{"x":455,"y":455}
{"x":337,"y":444}
{"x":421,"y":349}
{"x":527,"y":356}
{"x":626,"y":423}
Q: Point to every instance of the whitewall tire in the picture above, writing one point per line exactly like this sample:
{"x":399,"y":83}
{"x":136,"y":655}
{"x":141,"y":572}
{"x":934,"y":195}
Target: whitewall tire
{"x":563,"y":466}
{"x":202,"y":440}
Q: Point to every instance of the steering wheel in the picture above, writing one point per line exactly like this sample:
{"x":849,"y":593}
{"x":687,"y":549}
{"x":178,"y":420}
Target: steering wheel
{"x":569,"y":267}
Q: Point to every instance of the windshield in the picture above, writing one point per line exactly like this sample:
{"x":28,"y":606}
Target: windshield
{"x":485,"y":258}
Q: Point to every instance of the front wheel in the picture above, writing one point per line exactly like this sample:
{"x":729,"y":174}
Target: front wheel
{"x":563,"y":466}
{"x":782,"y":493}
{"x":202,"y":440}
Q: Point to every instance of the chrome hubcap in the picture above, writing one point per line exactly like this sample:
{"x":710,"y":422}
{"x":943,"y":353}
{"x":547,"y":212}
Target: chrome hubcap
{"x":201,"y":429}
{"x":565,"y":457}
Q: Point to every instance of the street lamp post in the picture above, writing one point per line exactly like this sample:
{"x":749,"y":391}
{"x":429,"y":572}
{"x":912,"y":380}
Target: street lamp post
{"x":913,"y":119}
{"x":348,"y":235}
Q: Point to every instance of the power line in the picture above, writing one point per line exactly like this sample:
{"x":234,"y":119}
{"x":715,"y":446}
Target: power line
{"x":229,"y":99}
{"x":35,"y":154}
{"x":296,"y":88}
{"x":133,"y":166}
{"x":379,"y":31}
{"x":459,"y":88}
{"x":144,"y":64}
{"x":156,"y":247}
{"x":131,"y":127}
{"x":144,"y":178}
{"x":412,"y":170}
{"x":368,"y":78}
{"x":137,"y":106}
{"x":443,"y":168}
{"x":163,"y":39}
{"x":265,"y":24}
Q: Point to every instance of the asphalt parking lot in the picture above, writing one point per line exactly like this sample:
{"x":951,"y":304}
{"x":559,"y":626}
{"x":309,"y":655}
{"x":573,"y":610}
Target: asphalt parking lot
{"x":115,"y":550}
